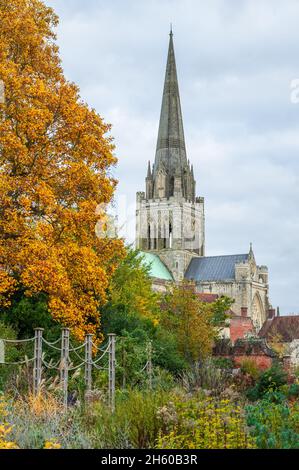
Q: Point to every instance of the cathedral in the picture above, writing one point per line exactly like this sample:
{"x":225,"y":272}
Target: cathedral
{"x":170,"y":224}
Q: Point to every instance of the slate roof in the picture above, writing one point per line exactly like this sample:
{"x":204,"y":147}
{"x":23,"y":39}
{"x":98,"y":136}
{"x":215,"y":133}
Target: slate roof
{"x":214,"y":268}
{"x":287,"y":327}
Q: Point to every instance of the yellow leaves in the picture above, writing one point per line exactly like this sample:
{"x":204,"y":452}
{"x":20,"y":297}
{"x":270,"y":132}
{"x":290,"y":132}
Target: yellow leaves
{"x":54,"y":170}
{"x":191,"y":320}
{"x":52,"y":444}
{"x":5,"y":428}
{"x":7,"y":287}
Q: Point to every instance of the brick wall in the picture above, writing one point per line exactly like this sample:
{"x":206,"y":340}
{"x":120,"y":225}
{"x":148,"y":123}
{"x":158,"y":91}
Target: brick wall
{"x":239,"y":327}
{"x":262,"y":361}
{"x":254,"y":349}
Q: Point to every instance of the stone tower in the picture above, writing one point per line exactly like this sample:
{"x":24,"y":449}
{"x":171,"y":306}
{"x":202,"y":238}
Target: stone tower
{"x":169,"y":217}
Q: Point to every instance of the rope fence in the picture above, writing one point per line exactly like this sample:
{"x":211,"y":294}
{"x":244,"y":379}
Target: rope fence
{"x":64,"y":365}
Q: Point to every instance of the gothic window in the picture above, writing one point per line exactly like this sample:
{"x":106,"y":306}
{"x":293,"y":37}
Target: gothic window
{"x":171,"y":186}
{"x":258,"y":313}
{"x":170,"y":236}
{"x":149,"y":237}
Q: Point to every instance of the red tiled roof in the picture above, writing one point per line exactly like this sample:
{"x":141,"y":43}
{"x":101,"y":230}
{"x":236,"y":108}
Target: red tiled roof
{"x":287,"y":327}
{"x":205,"y":297}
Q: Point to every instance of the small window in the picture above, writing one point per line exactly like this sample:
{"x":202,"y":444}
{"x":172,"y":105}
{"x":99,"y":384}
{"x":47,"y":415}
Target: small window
{"x":149,"y":237}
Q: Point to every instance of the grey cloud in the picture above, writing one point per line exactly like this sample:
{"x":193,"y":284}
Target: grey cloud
{"x":235,"y":62}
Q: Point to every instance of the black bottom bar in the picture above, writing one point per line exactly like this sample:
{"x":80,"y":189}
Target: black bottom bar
{"x":139,"y":458}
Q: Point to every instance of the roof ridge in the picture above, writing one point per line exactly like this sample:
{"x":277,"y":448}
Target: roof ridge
{"x":221,"y":256}
{"x":287,"y":316}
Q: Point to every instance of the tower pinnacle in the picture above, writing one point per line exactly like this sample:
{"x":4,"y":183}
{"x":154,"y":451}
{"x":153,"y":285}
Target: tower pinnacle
{"x":171,"y":149}
{"x":169,"y":218}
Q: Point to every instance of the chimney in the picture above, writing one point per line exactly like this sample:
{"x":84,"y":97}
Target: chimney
{"x":244,"y":311}
{"x":271,"y":313}
{"x":278,"y":312}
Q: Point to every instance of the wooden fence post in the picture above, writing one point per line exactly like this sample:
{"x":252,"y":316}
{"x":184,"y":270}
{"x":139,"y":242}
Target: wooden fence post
{"x":38,"y":352}
{"x":112,"y":338}
{"x":149,"y":366}
{"x":88,"y":362}
{"x":64,"y":363}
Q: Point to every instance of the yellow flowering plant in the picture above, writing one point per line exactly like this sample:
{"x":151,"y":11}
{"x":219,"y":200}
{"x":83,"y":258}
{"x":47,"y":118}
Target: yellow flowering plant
{"x":207,"y":424}
{"x":5,"y":428}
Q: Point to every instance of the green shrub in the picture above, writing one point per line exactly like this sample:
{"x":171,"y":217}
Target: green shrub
{"x":134,"y":424}
{"x":11,"y":354}
{"x":270,"y":380}
{"x":27,"y":313}
{"x":274,"y":425}
{"x":207,"y":376}
{"x":293,"y":391}
{"x":249,"y":367}
{"x":223,"y":363}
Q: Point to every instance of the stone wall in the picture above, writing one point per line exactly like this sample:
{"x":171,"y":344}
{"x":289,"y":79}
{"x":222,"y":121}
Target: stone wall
{"x":172,"y":224}
{"x":249,"y":291}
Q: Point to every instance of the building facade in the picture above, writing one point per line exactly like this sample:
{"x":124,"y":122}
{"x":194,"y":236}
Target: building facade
{"x":170,"y":220}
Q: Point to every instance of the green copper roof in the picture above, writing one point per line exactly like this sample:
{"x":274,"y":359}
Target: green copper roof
{"x":157,"y":268}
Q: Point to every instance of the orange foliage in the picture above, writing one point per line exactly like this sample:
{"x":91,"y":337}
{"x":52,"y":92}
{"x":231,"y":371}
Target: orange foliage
{"x":55,"y":159}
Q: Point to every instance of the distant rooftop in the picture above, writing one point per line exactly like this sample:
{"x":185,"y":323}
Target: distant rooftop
{"x":286,"y":327}
{"x":214,"y":268}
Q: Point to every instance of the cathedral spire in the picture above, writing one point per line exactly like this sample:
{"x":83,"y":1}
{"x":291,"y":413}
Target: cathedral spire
{"x":149,"y":173}
{"x":171,"y":148}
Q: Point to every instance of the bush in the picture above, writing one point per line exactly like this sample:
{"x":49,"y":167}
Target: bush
{"x":223,"y":363}
{"x":207,"y":376}
{"x":293,"y":391}
{"x":249,"y":367}
{"x":134,"y":424}
{"x":198,"y":423}
{"x":270,"y":380}
{"x":274,"y":425}
{"x":27,"y":313}
{"x":10,"y":353}
{"x":41,"y":422}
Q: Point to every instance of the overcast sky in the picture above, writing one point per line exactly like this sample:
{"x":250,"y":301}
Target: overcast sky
{"x":236,"y":61}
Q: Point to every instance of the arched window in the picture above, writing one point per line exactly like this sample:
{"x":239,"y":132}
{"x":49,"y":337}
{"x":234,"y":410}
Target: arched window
{"x":149,"y":237}
{"x":170,"y":235}
{"x":171,"y":186}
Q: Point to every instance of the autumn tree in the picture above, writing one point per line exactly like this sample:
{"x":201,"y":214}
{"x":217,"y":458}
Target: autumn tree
{"x":196,"y":324}
{"x":131,"y":290}
{"x":55,"y":169}
{"x":133,"y":312}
